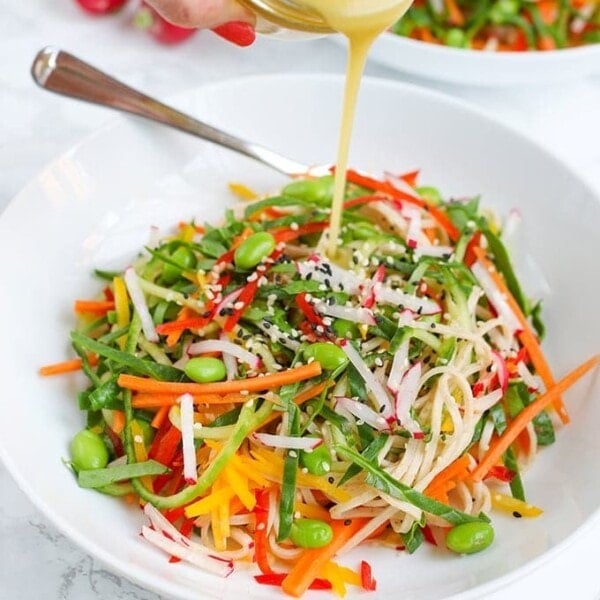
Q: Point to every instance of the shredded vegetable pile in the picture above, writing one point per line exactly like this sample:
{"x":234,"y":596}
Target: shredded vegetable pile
{"x":265,"y":403}
{"x":503,"y":25}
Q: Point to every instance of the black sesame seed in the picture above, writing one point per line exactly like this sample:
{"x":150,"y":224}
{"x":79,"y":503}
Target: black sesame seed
{"x":517,"y":514}
{"x":347,"y":522}
{"x":331,"y":479}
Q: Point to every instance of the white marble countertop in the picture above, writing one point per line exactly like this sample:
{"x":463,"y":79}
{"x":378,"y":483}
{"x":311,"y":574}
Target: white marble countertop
{"x":36,"y":561}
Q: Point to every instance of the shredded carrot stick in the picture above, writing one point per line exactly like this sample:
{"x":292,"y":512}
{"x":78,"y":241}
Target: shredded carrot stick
{"x":502,"y":443}
{"x":526,"y":335}
{"x":118,"y":423}
{"x":455,"y":14}
{"x":66,"y":366}
{"x":96,"y":307}
{"x":157,"y":400}
{"x":312,"y":561}
{"x":254,"y":384}
{"x":173,"y":335}
{"x":159,"y":417}
{"x":459,"y":469}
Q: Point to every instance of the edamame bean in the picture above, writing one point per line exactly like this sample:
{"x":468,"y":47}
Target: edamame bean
{"x":311,"y":533}
{"x":504,"y":10}
{"x":455,"y":37}
{"x":317,"y":461}
{"x":319,"y":191}
{"x":205,"y":369}
{"x":329,"y":355}
{"x":254,"y":249}
{"x":469,"y":538}
{"x":182,"y":256}
{"x":88,"y":451}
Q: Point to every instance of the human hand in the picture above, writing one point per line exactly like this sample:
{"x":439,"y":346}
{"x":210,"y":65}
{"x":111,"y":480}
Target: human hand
{"x":203,"y":14}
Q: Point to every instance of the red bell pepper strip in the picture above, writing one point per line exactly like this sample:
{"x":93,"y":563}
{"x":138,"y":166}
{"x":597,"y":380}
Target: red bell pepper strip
{"x":501,"y":473}
{"x":261,"y":515}
{"x":287,"y":234}
{"x":248,"y":293}
{"x":309,"y":310}
{"x":277,"y":578}
{"x":366,"y":576}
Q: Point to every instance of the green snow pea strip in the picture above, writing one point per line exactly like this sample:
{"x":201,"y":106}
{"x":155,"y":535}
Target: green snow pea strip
{"x":249,"y":420}
{"x":127,"y":359}
{"x":98,"y":478}
{"x":384,"y":482}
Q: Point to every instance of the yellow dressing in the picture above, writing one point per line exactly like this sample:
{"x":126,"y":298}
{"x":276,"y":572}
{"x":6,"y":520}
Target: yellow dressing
{"x":361,"y":21}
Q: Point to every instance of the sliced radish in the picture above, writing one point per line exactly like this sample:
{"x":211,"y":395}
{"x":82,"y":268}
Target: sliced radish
{"x":226,"y":347}
{"x":186,"y":408}
{"x":501,"y":370}
{"x":348,"y":313}
{"x":405,"y":398}
{"x":373,"y":384}
{"x":288,"y":441}
{"x":422,"y":306}
{"x":531,"y":381}
{"x":485,"y":402}
{"x":399,"y":367}
{"x":139,"y":303}
{"x":377,"y":278}
{"x":496,"y":297}
{"x":188,"y":553}
{"x":361,"y":411}
{"x":413,"y":215}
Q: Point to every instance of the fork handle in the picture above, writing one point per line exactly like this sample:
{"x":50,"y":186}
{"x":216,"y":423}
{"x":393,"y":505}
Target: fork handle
{"x":65,"y":74}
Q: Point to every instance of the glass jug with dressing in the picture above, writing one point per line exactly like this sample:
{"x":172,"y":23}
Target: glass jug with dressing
{"x":286,"y":17}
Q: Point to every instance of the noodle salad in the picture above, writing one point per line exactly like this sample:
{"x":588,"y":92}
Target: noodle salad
{"x":266,"y":403}
{"x":503,"y":25}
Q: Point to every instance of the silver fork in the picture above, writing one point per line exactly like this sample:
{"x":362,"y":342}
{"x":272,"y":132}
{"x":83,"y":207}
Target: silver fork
{"x":65,"y":74}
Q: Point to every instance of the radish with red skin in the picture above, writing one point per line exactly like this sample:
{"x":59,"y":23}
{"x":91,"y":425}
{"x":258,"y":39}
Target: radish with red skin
{"x":101,"y":7}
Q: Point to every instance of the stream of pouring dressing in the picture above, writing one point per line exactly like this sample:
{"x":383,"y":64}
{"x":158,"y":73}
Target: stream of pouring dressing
{"x":361,"y":21}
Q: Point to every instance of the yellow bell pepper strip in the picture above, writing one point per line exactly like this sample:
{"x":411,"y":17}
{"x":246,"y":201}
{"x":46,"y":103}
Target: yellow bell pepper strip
{"x":121,"y":307}
{"x":516,"y":507}
{"x":248,"y":420}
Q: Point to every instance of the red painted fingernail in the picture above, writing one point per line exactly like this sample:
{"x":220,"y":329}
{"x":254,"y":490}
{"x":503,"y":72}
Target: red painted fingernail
{"x":236,"y":32}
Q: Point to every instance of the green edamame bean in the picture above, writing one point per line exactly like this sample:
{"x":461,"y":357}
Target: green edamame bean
{"x":316,"y":461}
{"x":254,"y":249}
{"x":329,"y":355}
{"x":469,"y":538}
{"x":345,"y":329}
{"x":311,"y":533}
{"x":503,"y":10}
{"x":88,"y":451}
{"x":455,"y":37}
{"x":319,"y":191}
{"x":185,"y":258}
{"x":205,"y":369}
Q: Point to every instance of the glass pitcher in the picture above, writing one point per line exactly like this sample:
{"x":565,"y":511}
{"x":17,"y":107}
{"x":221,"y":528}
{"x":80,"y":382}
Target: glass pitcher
{"x":286,"y":16}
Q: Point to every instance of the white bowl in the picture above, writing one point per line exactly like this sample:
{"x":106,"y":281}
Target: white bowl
{"x":481,"y":68}
{"x":93,"y":207}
